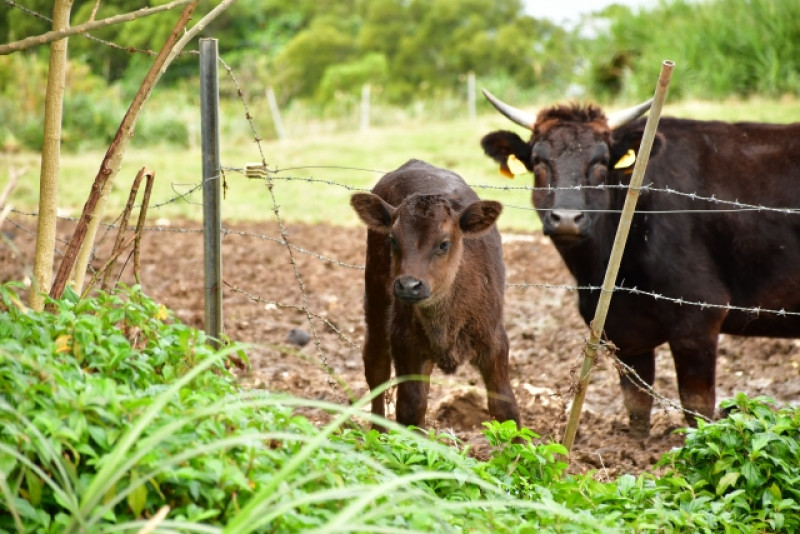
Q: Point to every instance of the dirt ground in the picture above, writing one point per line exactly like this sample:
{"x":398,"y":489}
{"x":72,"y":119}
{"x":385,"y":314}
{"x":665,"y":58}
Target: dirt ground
{"x":262,"y":298}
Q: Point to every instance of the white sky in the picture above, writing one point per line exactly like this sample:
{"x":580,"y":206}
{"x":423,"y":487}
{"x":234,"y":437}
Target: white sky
{"x":561,"y":11}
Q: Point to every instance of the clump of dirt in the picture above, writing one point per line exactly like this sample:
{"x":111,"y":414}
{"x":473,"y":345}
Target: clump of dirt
{"x":263,"y":302}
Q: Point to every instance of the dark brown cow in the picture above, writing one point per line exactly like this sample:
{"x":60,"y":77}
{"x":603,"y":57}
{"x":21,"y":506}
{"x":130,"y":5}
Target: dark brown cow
{"x":434,"y":281}
{"x":688,"y":247}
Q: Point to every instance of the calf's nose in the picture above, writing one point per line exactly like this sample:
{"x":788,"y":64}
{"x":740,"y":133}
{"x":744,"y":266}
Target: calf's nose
{"x":565,"y":222}
{"x":410,"y":288}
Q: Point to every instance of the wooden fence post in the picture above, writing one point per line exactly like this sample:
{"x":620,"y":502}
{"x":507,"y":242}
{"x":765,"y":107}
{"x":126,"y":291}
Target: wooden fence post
{"x":365,"y":97}
{"x":276,"y":114}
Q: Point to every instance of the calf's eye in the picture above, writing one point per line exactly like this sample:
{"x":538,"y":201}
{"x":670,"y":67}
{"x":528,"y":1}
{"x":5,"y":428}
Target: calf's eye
{"x":444,"y":246}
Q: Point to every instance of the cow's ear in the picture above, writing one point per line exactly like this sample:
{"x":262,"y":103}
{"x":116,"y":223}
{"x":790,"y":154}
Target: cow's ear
{"x":373,"y":210}
{"x":478,"y":217}
{"x":503,"y":146}
{"x":625,"y":149}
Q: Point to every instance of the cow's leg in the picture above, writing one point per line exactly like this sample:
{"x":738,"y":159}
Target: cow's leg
{"x":501,"y":400}
{"x":376,"y":355}
{"x":412,"y":393}
{"x":637,"y":400}
{"x":695,"y":359}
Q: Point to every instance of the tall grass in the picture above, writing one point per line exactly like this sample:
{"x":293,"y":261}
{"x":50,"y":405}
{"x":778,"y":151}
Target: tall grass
{"x":721,"y":48}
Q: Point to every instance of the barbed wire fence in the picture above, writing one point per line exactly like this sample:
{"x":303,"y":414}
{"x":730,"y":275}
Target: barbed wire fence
{"x":272,"y":177}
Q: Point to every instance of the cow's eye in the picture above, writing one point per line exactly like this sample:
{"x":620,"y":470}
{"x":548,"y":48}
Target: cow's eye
{"x":444,"y":246}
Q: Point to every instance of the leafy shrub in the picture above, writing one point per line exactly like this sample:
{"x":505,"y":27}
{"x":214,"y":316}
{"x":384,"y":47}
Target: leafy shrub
{"x":750,"y":461}
{"x":111,"y":410}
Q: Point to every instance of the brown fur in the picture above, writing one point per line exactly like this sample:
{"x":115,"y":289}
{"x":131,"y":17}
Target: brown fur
{"x":434,"y":286}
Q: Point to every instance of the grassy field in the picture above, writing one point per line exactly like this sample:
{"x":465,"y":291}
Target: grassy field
{"x":317,"y":173}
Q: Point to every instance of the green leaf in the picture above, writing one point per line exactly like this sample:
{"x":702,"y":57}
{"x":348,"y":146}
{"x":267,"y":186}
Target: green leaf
{"x":137,"y":499}
{"x":34,"y":484}
{"x":728,"y":480}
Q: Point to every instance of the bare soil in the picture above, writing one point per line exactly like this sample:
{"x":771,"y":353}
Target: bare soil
{"x":266,"y":288}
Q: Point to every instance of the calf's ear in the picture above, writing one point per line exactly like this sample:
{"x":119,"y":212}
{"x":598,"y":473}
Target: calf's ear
{"x":478,"y":217}
{"x":373,"y":210}
{"x":501,"y":144}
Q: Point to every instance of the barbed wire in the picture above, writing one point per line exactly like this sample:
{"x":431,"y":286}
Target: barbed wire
{"x":641,"y":384}
{"x":282,"y":229}
{"x":757,"y":310}
{"x":254,"y":172}
{"x":303,"y":309}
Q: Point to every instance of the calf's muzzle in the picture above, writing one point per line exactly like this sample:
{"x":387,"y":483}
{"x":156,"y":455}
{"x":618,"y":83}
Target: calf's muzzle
{"x":411,"y":289}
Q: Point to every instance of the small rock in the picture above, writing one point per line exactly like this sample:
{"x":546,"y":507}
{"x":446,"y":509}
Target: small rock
{"x":298,"y":336}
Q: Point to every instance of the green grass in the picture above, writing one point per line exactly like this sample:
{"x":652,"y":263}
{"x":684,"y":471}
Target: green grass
{"x":338,"y":162}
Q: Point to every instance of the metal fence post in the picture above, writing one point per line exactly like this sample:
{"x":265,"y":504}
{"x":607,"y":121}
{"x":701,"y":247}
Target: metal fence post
{"x":212,"y":219}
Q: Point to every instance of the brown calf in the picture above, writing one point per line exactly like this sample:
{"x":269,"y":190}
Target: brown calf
{"x":434,"y":287}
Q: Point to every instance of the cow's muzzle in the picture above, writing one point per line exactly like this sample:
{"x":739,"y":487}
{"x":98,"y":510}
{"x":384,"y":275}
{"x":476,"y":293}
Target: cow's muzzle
{"x":564,"y":224}
{"x":411,"y":289}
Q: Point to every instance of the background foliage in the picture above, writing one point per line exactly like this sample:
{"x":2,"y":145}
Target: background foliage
{"x":317,"y":54}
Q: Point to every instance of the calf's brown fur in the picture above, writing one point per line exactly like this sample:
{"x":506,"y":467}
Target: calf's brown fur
{"x":434,"y":286}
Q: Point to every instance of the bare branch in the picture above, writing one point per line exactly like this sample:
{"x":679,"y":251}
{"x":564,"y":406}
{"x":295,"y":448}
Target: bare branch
{"x":55,"y":35}
{"x":94,"y":10}
{"x":87,"y":224}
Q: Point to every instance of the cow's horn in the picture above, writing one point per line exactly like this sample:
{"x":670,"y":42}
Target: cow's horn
{"x":624,"y":116}
{"x":523,"y":118}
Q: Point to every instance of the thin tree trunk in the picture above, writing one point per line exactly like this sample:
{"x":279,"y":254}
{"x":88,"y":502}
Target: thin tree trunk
{"x":51,"y":160}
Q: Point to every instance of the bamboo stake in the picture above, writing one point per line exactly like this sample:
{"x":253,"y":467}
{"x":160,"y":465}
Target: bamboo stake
{"x":617,"y":249}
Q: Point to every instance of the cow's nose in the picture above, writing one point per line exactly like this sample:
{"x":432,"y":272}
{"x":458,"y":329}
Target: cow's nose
{"x":411,"y":288}
{"x":565,"y":222}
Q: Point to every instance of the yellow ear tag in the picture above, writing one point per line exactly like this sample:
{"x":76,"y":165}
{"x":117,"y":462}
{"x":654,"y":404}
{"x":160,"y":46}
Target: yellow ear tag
{"x":515,"y":165}
{"x":627,"y":160}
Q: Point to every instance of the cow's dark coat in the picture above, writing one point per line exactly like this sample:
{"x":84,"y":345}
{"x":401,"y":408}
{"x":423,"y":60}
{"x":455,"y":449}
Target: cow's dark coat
{"x":434,"y":286}
{"x":679,"y":247}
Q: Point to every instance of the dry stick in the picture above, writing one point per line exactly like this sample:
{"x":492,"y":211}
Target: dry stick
{"x":113,"y":158}
{"x":123,"y":225}
{"x":617,"y":249}
{"x":140,"y":226}
{"x":159,"y":67}
{"x":108,"y":264}
{"x":55,"y":35}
